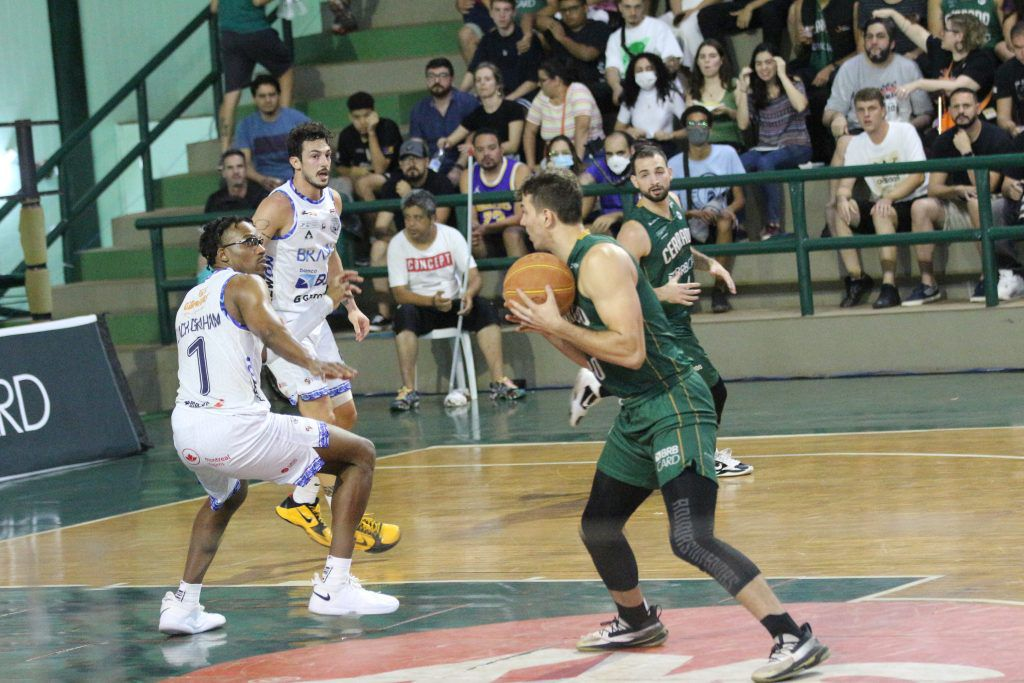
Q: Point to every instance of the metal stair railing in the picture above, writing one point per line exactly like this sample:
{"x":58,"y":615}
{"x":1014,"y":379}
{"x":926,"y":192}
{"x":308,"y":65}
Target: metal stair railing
{"x":801,"y":246}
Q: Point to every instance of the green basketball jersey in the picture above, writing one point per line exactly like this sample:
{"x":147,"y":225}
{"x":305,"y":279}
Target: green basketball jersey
{"x":983,"y":10}
{"x":665,"y":362}
{"x":670,"y":255}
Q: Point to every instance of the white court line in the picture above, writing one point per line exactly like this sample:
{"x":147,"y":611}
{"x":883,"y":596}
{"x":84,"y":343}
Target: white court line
{"x":879,"y":594}
{"x":988,"y":601}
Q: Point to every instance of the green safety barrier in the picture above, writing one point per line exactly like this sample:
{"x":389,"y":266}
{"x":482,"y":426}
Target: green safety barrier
{"x":801,"y":246}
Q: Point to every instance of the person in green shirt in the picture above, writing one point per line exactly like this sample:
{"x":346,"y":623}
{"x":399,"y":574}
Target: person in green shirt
{"x":664,"y":436}
{"x":247,"y":39}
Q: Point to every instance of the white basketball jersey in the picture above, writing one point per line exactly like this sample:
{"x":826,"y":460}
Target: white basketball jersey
{"x":297,"y":260}
{"x":219,"y":359}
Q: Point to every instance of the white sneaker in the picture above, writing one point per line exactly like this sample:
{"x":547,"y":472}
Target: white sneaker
{"x":348,"y":598}
{"x":728,"y":466}
{"x":178,"y":620}
{"x":586,"y":393}
{"x":1011,"y":285}
{"x":791,"y":656}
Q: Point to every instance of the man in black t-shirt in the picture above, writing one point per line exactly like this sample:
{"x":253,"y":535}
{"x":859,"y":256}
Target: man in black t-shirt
{"x":413,"y":174}
{"x":498,"y":46}
{"x":367,"y":150}
{"x":952,"y":201}
{"x":576,"y":41}
{"x":237,"y":193}
{"x":1009,"y":89}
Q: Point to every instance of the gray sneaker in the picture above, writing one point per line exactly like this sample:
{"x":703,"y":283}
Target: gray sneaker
{"x":618,"y":635}
{"x":792,"y":655}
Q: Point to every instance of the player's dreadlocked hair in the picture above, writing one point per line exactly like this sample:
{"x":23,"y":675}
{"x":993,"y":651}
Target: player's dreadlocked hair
{"x":209,"y":241}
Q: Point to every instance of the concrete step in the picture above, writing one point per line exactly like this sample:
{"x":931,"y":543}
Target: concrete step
{"x":125,"y":235}
{"x":107,"y":296}
{"x":113,"y":263}
{"x":377,"y":14}
{"x":316,"y":81}
{"x":204,"y":157}
{"x":185,"y":189}
{"x":394,"y":42}
{"x":134,"y":327}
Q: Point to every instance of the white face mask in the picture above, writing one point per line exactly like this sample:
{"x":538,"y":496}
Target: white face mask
{"x":646,"y":79}
{"x":618,"y":163}
{"x":561,"y":161}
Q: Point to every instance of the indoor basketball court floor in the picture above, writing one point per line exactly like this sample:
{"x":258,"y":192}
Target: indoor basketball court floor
{"x":887,"y":511}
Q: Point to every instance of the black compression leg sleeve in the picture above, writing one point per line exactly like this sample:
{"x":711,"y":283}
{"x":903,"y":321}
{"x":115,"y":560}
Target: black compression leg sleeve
{"x":611,"y":504}
{"x":690,"y":501}
{"x":719,"y":393}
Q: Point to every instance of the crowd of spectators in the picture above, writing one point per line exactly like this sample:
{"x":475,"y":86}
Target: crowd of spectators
{"x":576,"y":83}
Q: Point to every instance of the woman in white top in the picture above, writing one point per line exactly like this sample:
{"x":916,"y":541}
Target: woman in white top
{"x":651,"y":102}
{"x":561,"y":108}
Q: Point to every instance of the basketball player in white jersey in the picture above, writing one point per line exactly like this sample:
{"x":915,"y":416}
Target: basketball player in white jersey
{"x":225,"y":433}
{"x":301,"y":221}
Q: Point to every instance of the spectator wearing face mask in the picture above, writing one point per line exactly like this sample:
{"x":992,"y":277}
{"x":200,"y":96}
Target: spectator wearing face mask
{"x":611,"y":168}
{"x":651,"y":103}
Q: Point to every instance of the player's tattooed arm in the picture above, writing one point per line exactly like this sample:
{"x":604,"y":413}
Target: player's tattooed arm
{"x":273,"y":215}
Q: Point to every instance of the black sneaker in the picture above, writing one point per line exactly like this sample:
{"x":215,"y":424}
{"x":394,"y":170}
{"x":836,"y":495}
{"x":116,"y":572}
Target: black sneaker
{"x":720,"y":301}
{"x":792,"y":655}
{"x":978,"y":295}
{"x":379,"y":323}
{"x":618,"y":635}
{"x":888,"y":296}
{"x":923,"y":294}
{"x":856,"y":290}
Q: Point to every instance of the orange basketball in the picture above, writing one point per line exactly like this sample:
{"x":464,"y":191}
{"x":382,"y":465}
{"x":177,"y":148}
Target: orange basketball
{"x":532,"y":272}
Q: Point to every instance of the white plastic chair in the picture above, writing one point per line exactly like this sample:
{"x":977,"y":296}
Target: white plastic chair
{"x":465,"y":374}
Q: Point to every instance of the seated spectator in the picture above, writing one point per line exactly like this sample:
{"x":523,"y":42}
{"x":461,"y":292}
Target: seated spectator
{"x":639,"y":33}
{"x":563,"y":107}
{"x":476,"y":21}
{"x":769,"y":99}
{"x":713,"y":86}
{"x":413,"y":174}
{"x":500,"y":47}
{"x":441,"y":112}
{"x":611,"y":168}
{"x":712,"y":212}
{"x":427,"y":265}
{"x":367,"y":151}
{"x":651,"y":103}
{"x":916,"y":11}
{"x":952,"y":201}
{"x":247,"y":39}
{"x":958,"y":60}
{"x":237,"y":194}
{"x":1009,"y":86}
{"x":578,"y":42}
{"x":559,"y":153}
{"x":888,"y":209}
{"x":496,"y":228}
{"x":826,"y":43}
{"x":504,"y":117}
{"x":263,"y":135}
{"x":720,"y":19}
{"x":989,"y":14}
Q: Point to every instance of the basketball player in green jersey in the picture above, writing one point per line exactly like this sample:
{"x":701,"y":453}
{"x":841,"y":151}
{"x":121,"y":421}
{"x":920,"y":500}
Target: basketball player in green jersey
{"x":663,"y":438}
{"x":657,"y":235}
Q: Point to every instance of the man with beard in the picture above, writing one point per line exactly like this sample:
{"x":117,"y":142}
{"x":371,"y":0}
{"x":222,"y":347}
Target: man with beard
{"x":496,"y":228}
{"x":414,"y":175}
{"x":441,"y":112}
{"x":301,"y":222}
{"x":952,"y":201}
{"x":657,"y":235}
{"x":664,"y":436}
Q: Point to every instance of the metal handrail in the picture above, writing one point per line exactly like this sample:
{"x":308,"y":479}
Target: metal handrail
{"x":801,"y":246}
{"x":137,"y":85}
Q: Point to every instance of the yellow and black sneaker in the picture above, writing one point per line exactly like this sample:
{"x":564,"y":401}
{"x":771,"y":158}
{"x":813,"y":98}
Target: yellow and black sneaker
{"x":308,"y":517}
{"x":376,"y":537}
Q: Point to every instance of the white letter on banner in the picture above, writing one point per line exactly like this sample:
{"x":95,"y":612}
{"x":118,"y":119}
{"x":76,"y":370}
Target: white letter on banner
{"x":3,"y":409}
{"x":41,"y":422}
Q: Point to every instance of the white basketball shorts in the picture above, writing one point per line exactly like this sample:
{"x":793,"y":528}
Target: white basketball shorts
{"x":295,"y":382}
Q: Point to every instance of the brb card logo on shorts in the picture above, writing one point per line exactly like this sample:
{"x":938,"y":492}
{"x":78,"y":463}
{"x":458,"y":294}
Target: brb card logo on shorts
{"x":666,"y":457}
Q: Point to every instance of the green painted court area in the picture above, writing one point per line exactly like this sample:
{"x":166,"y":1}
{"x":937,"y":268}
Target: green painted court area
{"x":108,"y":634}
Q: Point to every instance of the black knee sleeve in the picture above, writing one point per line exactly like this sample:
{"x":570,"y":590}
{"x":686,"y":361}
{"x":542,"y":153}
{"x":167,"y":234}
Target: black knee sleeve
{"x":610,"y":505}
{"x":690,"y":500}
{"x":719,"y":393}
